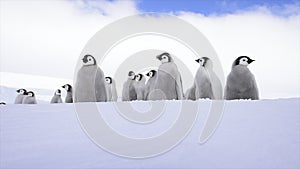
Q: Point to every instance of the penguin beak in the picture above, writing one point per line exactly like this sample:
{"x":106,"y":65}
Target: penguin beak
{"x":147,"y":74}
{"x":197,"y":60}
{"x":250,"y":61}
{"x":84,"y":60}
{"x":158,"y":57}
{"x":63,"y":86}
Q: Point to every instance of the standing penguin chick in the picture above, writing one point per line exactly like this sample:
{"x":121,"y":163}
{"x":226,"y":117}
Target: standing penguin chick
{"x":140,"y":86}
{"x":214,"y":79}
{"x":150,"y":83}
{"x":168,"y":84}
{"x":90,"y":83}
{"x":202,"y":82}
{"x":129,"y":93}
{"x":57,"y":97}
{"x":30,"y":98}
{"x":69,"y":97}
{"x":21,"y":96}
{"x":241,"y":83}
{"x":111,"y":89}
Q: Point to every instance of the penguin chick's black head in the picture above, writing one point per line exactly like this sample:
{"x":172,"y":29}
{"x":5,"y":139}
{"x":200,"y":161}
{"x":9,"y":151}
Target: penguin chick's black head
{"x":202,"y":61}
{"x":2,"y":103}
{"x":151,"y":73}
{"x":20,"y":90}
{"x":89,"y":60}
{"x":108,"y":80}
{"x":30,"y":93}
{"x":164,"y":57}
{"x":243,"y":60}
{"x":138,"y":77}
{"x":130,"y":73}
{"x":68,"y":87}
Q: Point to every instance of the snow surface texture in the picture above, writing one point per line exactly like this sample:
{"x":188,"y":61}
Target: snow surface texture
{"x":252,"y":134}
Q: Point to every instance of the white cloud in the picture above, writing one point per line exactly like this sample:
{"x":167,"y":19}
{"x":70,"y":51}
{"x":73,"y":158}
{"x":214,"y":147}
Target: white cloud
{"x":46,"y":38}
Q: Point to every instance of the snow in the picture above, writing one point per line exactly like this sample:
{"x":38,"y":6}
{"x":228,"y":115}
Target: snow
{"x":251,"y":134}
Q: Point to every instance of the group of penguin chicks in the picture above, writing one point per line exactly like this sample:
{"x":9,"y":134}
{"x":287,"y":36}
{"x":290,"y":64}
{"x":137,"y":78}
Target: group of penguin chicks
{"x":166,"y":83}
{"x":28,"y":97}
{"x":163,"y":84}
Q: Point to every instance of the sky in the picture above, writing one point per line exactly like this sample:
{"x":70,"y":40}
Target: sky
{"x":45,"y":38}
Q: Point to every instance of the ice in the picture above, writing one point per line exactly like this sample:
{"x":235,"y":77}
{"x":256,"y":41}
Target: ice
{"x":251,"y":134}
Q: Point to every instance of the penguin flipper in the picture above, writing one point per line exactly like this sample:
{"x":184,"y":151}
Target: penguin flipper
{"x":254,"y":93}
{"x":179,"y":89}
{"x":191,"y":95}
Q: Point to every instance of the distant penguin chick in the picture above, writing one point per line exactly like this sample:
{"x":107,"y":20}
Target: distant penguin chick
{"x":202,"y":82}
{"x":69,"y":97}
{"x":90,"y":83}
{"x":2,"y":103}
{"x":30,"y":98}
{"x":150,"y":83}
{"x":111,"y":89}
{"x":128,"y":92}
{"x":57,"y":97}
{"x":140,"y":86}
{"x":217,"y":87}
{"x":20,"y":96}
{"x":240,"y":82}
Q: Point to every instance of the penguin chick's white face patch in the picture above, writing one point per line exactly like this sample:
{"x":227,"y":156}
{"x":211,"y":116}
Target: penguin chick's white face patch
{"x":108,"y":80}
{"x":243,"y":61}
{"x":30,"y":94}
{"x":137,"y":77}
{"x":164,"y":59}
{"x":88,"y":60}
{"x":201,"y":62}
{"x":150,"y":74}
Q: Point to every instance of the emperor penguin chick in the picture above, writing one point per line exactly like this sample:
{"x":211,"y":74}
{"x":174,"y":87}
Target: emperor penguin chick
{"x":129,"y":93}
{"x":150,"y":83}
{"x":30,"y":98}
{"x":216,"y":84}
{"x":202,"y":83}
{"x":20,"y":96}
{"x":240,"y":82}
{"x":168,"y":84}
{"x":69,"y":97}
{"x":90,"y":82}
{"x":111,"y":89}
{"x":140,"y":86}
{"x":57,"y":97}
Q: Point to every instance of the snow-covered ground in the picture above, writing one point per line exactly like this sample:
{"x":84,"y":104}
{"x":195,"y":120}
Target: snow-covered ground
{"x":252,"y":134}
